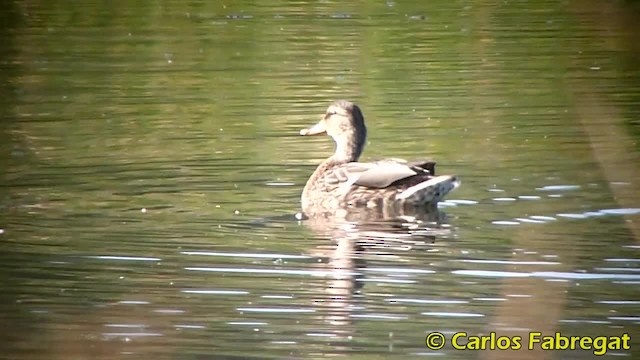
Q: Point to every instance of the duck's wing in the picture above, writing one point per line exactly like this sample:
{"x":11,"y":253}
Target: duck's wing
{"x":428,"y":165}
{"x":376,"y":175}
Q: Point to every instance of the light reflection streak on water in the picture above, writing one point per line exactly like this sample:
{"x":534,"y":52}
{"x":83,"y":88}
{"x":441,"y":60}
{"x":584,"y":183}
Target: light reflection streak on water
{"x":245,"y":255}
{"x":215,"y":292}
{"x":124,"y":258}
{"x":275,"y":310}
{"x":505,"y":262}
{"x":425,"y":301}
{"x":546,"y":275}
{"x":316,"y":273}
{"x":452,"y":314}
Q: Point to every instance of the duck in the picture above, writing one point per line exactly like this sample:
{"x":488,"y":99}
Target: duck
{"x":342,"y":182}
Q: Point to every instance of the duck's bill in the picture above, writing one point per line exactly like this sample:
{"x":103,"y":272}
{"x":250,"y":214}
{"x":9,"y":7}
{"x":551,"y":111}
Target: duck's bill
{"x":316,"y":129}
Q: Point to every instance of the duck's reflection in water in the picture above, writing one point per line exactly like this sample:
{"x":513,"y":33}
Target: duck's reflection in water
{"x":361,"y":233}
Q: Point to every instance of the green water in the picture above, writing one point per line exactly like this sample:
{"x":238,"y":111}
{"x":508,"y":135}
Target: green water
{"x":151,"y":168}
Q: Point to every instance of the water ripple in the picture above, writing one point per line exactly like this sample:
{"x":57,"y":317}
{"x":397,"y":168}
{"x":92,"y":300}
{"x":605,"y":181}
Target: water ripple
{"x":505,"y":222}
{"x":399,"y":270}
{"x":558,"y":187}
{"x":425,"y":301}
{"x":452,"y":314}
{"x":505,"y":262}
{"x":124,"y":258}
{"x":547,"y":275}
{"x":318,"y":273}
{"x":275,"y":310}
{"x":379,"y":316}
{"x":215,"y":292}
{"x":246,"y":255}
{"x":628,"y":211}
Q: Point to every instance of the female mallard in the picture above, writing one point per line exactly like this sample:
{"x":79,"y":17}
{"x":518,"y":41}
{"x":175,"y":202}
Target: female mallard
{"x":342,"y":182}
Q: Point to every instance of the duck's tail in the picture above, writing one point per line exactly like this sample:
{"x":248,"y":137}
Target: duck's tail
{"x":430,"y":191}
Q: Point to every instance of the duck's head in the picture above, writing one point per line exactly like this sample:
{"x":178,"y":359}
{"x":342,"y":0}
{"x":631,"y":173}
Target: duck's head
{"x":344,"y":122}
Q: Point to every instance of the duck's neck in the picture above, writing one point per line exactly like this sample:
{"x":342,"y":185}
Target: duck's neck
{"x":349,"y":149}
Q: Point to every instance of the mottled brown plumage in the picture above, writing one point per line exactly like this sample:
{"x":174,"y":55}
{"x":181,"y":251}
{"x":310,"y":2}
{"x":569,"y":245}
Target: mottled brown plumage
{"x":341,"y":182}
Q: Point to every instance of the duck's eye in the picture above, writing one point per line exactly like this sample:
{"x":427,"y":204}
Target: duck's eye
{"x":330,"y":113}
